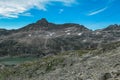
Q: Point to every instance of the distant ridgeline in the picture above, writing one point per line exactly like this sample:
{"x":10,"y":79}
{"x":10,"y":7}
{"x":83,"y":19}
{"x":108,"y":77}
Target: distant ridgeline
{"x":45,"y":38}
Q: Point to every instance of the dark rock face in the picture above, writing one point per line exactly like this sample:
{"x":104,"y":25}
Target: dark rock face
{"x":43,"y":24}
{"x":112,"y":27}
{"x":45,"y":38}
{"x":5,"y":32}
{"x":42,"y":21}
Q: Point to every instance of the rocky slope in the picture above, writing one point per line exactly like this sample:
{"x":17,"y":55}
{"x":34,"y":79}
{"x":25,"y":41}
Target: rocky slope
{"x":100,"y":64}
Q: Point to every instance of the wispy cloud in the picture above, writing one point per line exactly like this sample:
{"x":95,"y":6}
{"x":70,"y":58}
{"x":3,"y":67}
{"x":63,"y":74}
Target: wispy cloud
{"x":60,"y":11}
{"x":27,"y":14}
{"x":97,"y":11}
{"x":14,"y":8}
{"x":109,"y":2}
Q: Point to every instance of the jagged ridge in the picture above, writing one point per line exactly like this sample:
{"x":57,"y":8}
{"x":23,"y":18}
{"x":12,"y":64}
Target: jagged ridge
{"x":44,"y":38}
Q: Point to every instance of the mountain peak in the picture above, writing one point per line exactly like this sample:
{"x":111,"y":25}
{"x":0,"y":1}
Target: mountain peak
{"x":113,"y":27}
{"x":42,"y":21}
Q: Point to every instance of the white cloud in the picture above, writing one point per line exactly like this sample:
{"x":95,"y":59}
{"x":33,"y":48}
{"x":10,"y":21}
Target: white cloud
{"x":14,"y":8}
{"x":27,"y":14}
{"x":97,"y":11}
{"x":66,"y":2}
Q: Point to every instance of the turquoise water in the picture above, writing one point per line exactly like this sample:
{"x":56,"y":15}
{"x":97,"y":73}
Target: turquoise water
{"x":16,"y":60}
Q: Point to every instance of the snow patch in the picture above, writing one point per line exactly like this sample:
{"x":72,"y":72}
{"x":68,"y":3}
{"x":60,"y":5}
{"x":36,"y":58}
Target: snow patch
{"x":67,"y":30}
{"x":79,"y":34}
{"x":51,"y":34}
{"x":68,"y":33}
{"x":85,"y":40}
{"x":98,"y":33}
{"x":29,"y":35}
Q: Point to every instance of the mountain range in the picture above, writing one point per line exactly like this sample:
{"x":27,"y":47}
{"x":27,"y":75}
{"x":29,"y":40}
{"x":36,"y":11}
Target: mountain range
{"x":49,"y":51}
{"x":44,"y":38}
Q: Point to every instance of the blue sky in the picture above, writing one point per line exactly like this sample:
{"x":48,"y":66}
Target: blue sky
{"x":94,"y":14}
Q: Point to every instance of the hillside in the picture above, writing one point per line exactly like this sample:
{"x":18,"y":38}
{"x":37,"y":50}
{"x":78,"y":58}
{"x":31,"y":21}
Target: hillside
{"x":100,"y":64}
{"x":49,"y":51}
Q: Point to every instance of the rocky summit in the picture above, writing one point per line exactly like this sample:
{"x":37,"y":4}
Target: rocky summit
{"x":49,"y":51}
